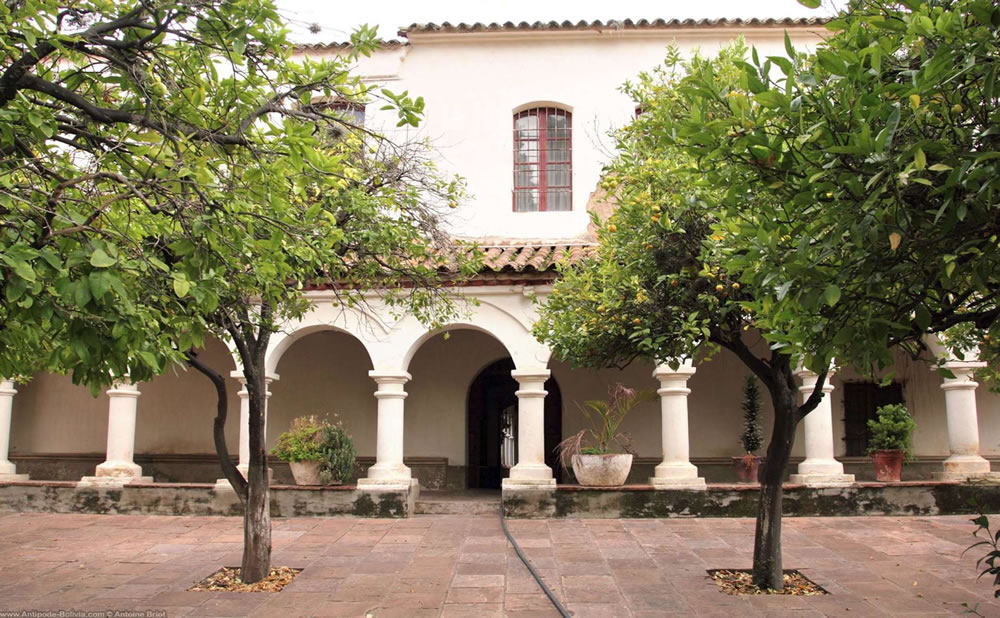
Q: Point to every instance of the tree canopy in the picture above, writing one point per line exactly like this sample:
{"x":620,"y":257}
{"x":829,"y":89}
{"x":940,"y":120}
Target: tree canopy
{"x":164,"y":164}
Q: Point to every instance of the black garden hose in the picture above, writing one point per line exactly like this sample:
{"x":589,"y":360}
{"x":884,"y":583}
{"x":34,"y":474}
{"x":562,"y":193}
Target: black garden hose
{"x":531,"y":569}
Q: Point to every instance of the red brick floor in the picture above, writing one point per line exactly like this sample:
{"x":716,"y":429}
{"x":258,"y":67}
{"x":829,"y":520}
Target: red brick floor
{"x":462,"y":566}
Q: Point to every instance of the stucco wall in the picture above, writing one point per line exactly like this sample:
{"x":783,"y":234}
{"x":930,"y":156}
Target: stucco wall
{"x":327,"y":373}
{"x":472,"y":84}
{"x":175,"y":412}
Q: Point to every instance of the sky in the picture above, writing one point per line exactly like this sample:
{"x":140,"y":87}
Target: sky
{"x":336,"y":20}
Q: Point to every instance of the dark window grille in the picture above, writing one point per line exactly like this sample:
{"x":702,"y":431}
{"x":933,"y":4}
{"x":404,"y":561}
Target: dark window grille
{"x":861,"y":399}
{"x":543,"y":160}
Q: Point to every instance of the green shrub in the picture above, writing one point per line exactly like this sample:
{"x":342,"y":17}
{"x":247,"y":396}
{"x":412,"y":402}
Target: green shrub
{"x":338,"y":455}
{"x":312,"y":439}
{"x":891,"y":430}
{"x":751,"y":437}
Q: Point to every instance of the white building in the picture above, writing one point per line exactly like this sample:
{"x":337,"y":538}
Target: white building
{"x":452,"y":410}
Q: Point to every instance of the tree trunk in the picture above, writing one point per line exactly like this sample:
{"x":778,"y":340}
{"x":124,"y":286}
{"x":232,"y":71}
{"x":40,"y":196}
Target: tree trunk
{"x":257,"y":516}
{"x":767,"y":566}
{"x":229,"y":469}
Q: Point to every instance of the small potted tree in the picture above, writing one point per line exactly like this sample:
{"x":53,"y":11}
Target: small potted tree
{"x":317,"y":452}
{"x":746,"y":466}
{"x":589,"y":452}
{"x":891,"y":432}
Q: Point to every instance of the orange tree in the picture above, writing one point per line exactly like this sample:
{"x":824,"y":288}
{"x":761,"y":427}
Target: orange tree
{"x":164,"y":175}
{"x":840,"y":203}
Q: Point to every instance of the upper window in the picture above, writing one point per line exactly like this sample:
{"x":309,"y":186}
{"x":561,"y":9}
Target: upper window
{"x":543,"y":160}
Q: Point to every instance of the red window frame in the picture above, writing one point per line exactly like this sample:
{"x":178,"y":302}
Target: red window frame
{"x":541,"y":140}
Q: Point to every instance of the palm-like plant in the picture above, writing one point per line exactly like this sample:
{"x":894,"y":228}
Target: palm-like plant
{"x":605,"y":417}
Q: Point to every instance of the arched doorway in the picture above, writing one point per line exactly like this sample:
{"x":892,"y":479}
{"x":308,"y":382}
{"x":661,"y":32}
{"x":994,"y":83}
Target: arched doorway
{"x":492,"y":425}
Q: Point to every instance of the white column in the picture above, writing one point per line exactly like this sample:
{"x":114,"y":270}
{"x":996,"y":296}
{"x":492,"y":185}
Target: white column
{"x":530,"y":470}
{"x":819,"y":468}
{"x":8,"y":472}
{"x":389,"y":470}
{"x":676,"y":471}
{"x":119,"y":468}
{"x":963,"y":422}
{"x":243,"y":464}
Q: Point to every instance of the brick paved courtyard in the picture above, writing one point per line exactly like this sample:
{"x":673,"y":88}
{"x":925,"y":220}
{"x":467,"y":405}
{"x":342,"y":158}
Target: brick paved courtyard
{"x":462,"y":566}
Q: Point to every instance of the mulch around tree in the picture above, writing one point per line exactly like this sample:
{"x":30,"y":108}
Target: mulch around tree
{"x":228,"y":578}
{"x":740,"y":581}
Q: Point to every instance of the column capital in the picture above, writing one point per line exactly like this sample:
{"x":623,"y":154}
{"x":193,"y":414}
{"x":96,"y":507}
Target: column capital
{"x":123,"y":389}
{"x":534,"y":374}
{"x":684,"y":372}
{"x":809,"y":378}
{"x":389,"y":377}
{"x":7,"y":387}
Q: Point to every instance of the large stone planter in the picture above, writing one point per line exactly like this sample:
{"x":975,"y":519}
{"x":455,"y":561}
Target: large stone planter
{"x":601,"y":470}
{"x":888,"y":465}
{"x":306,"y":472}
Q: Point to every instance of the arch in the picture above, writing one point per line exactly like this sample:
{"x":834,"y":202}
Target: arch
{"x":541,"y":103}
{"x":280,"y":342}
{"x":487,"y":318}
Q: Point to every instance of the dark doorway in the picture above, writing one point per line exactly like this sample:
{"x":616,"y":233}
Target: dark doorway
{"x":861,"y":400}
{"x":492,"y":425}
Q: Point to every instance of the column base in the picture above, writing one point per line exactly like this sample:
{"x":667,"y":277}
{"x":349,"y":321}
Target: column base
{"x":8,"y":472}
{"x":410,"y":485}
{"x":676,"y":475}
{"x":531,"y":474}
{"x":117,"y":473}
{"x":523,"y":483}
{"x":694,"y":484}
{"x":966,"y":467}
{"x":822,"y":480}
{"x":982,"y":477}
{"x":112,"y":481}
{"x":399,"y":473}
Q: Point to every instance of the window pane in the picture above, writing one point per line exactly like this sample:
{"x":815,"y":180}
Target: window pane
{"x":526,"y":122}
{"x":557,"y":121}
{"x":557,"y":199}
{"x":527,"y":152}
{"x":526,"y":201}
{"x":526,"y":177}
{"x":558,"y":150}
{"x":557,"y":176}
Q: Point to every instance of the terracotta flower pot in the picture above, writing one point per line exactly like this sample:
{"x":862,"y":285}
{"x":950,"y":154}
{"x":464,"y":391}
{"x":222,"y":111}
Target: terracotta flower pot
{"x":888,"y":465}
{"x":601,"y":470}
{"x":306,"y":472}
{"x":746,"y":468}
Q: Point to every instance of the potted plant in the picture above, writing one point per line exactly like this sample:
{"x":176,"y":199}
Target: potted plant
{"x":595,"y":465}
{"x":746,"y":466}
{"x":890,"y":438}
{"x":317,"y":452}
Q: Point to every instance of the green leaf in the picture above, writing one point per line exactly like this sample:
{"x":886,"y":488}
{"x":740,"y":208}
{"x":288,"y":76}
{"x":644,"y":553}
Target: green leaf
{"x":772,"y":99}
{"x":919,"y":159}
{"x":810,"y":4}
{"x":831,"y":294}
{"x":100,"y":283}
{"x":181,"y":286}
{"x":100,"y":259}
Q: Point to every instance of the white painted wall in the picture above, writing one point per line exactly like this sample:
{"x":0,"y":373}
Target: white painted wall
{"x":473,"y":83}
{"x":175,"y":412}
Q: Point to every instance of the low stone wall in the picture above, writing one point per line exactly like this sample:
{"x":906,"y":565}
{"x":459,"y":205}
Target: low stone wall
{"x":642,"y":501}
{"x":199,"y":499}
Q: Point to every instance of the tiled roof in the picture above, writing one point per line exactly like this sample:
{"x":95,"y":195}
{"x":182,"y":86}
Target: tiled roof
{"x":529,"y":257}
{"x":611,"y":24}
{"x":532,"y":257}
{"x":343,"y":45}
